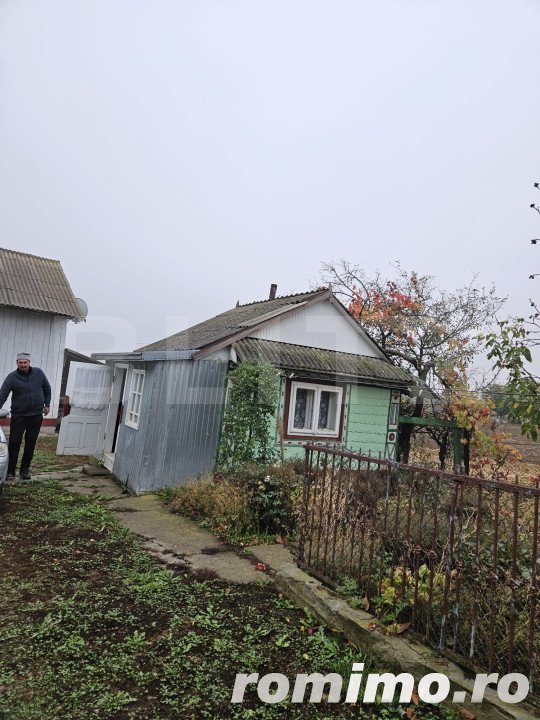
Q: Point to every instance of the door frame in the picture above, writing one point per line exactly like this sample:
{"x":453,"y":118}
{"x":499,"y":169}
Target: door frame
{"x":118,"y":392}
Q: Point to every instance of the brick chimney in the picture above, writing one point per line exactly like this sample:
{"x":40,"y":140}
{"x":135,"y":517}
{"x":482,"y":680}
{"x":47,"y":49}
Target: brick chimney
{"x":273,"y":290}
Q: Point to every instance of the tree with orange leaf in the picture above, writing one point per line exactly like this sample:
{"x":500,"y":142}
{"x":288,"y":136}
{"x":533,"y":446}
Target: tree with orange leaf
{"x":492,"y":457}
{"x":429,"y":331}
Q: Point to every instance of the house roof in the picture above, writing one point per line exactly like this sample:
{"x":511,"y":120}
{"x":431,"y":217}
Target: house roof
{"x":322,"y":362}
{"x":234,"y":321}
{"x":35,"y":283}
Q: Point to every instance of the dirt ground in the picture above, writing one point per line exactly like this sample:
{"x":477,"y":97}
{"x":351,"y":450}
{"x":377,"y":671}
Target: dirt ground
{"x":529,"y":449}
{"x":424,"y":452}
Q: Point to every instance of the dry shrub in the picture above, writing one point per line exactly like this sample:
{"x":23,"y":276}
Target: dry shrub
{"x":223,"y":504}
{"x":273,"y":490}
{"x":251,"y":500}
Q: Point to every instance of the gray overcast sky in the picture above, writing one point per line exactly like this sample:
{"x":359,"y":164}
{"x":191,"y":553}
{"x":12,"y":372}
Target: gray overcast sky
{"x":178,"y":156}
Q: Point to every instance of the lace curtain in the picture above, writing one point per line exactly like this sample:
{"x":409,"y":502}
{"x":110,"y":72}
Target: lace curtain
{"x":92,"y":387}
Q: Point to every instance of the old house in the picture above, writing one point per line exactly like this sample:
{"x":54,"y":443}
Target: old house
{"x":154,"y":414}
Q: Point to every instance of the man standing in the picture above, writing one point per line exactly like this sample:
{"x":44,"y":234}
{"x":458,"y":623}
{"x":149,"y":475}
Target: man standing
{"x":30,"y":401}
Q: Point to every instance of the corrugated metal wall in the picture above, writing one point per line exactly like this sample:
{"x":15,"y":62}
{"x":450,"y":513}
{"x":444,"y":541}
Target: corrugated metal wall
{"x":179,"y":424}
{"x":43,"y":336}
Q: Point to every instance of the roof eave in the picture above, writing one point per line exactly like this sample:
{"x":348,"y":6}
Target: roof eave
{"x":56,"y":313}
{"x":353,"y":379}
{"x":146,"y":356}
{"x":117,"y":357}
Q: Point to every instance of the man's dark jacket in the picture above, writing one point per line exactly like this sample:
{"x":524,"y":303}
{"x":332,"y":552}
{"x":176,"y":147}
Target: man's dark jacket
{"x":30,"y":392}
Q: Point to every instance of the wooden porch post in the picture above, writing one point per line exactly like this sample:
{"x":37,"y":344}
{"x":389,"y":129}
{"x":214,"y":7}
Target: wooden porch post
{"x":458,"y":448}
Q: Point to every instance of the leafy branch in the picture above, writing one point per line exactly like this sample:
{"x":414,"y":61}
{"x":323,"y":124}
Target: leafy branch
{"x":251,"y":404}
{"x":510,"y":348}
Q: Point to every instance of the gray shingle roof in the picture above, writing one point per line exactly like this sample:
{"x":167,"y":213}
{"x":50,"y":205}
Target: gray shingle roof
{"x":35,"y":283}
{"x":230,"y":323}
{"x":323,"y":362}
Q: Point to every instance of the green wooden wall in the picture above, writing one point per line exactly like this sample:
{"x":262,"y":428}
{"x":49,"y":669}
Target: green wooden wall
{"x":367,"y":419}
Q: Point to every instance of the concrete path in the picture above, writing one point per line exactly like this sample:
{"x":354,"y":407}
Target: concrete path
{"x":173,"y":539}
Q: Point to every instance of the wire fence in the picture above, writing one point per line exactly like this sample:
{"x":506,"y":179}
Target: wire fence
{"x":453,"y":558}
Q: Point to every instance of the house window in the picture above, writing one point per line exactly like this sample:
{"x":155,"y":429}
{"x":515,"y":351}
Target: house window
{"x":314,"y":410}
{"x":134,"y":398}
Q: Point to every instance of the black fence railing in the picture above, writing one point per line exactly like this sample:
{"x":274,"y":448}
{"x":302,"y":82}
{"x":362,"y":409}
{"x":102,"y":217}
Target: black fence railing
{"x":456,"y":559}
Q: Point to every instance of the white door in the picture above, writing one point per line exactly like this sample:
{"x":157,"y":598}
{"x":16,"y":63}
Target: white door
{"x":82,"y":432}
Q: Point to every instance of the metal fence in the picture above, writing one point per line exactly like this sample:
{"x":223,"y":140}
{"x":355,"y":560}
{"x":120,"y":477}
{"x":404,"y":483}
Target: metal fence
{"x":453,"y":558}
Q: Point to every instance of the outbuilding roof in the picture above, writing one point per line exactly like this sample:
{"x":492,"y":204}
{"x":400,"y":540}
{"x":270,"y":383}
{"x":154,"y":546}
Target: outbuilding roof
{"x":35,"y":283}
{"x":232,"y":322}
{"x":328,"y":363}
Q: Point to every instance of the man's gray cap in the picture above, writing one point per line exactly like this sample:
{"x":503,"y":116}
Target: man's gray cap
{"x":23,"y":356}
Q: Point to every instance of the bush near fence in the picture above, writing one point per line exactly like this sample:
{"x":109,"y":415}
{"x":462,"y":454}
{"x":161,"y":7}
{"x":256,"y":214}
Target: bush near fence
{"x":252,"y":500}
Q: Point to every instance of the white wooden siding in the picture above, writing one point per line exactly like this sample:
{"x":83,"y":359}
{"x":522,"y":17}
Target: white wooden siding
{"x":43,"y":336}
{"x":320,"y":326}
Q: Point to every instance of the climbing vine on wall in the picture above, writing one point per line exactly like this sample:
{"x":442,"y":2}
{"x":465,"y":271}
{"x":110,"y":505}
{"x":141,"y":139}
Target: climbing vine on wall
{"x":251,"y":405}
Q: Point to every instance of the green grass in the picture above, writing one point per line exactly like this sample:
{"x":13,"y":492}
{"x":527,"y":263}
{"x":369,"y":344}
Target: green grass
{"x":92,"y":627}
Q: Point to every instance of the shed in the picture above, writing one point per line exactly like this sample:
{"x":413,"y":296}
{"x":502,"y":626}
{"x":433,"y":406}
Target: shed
{"x":162,"y":422}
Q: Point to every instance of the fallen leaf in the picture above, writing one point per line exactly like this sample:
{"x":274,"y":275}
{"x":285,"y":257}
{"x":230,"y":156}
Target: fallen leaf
{"x":411,"y":713}
{"x":415,"y":697}
{"x":371,"y":626}
{"x":260,"y":566}
{"x":401,"y":627}
{"x":466,"y":714}
{"x":366,"y":604}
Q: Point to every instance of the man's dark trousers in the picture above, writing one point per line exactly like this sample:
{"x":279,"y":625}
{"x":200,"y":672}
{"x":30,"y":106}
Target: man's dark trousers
{"x":29,"y":424}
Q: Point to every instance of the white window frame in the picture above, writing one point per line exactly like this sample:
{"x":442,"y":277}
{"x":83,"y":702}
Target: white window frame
{"x":133,"y":411}
{"x":314,"y":430}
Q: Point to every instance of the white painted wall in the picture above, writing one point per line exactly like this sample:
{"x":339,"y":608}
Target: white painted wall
{"x":223,"y":355}
{"x":321,"y":326}
{"x":43,"y":336}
